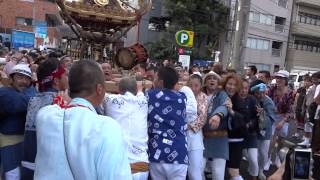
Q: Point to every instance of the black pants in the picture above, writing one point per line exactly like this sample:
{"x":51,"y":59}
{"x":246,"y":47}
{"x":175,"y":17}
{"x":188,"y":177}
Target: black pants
{"x":26,"y":174}
{"x":316,"y":166}
{"x":235,"y":155}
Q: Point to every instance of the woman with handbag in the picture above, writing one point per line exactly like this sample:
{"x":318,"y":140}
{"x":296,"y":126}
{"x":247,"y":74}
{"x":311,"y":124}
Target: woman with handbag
{"x":266,"y":116}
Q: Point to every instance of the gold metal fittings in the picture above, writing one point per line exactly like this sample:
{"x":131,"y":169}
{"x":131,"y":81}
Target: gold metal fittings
{"x":102,"y":2}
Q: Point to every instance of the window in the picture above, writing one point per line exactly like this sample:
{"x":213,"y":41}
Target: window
{"x":307,"y":45}
{"x":282,"y":3}
{"x":52,"y":20}
{"x":276,"y":48}
{"x":269,"y":19}
{"x":263,"y":19}
{"x":260,"y":66}
{"x":265,"y":45}
{"x":302,"y":18}
{"x":318,"y":21}
{"x":260,"y":44}
{"x":279,"y":24}
{"x":311,"y":19}
{"x":158,"y":23}
{"x":256,"y":18}
{"x":260,"y":18}
{"x":23,"y":21}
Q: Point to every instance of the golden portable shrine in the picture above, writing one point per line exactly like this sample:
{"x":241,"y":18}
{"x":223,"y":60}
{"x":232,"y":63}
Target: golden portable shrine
{"x":98,"y":24}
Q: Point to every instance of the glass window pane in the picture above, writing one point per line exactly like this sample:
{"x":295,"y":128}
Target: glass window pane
{"x":266,"y":45}
{"x":253,"y":44}
{"x":305,"y":47}
{"x":263,"y":19}
{"x":302,"y":18}
{"x":256,"y":17}
{"x":248,"y":42}
{"x":308,"y":20}
{"x":20,"y":21}
{"x":251,"y":16}
{"x":318,"y":21}
{"x":259,"y":44}
{"x":269,"y":20}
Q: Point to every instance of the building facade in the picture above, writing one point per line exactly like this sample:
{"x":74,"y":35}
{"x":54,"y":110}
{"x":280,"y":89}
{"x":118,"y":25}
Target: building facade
{"x":38,"y":16}
{"x":304,"y":42}
{"x":151,"y":25}
{"x":266,"y":37}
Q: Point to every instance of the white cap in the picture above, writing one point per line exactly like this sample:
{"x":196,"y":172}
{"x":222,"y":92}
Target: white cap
{"x":21,"y":69}
{"x":197,"y":73}
{"x":211,"y":73}
{"x":282,"y":73}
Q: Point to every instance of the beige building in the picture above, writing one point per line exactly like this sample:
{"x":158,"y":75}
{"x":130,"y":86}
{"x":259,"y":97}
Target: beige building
{"x":260,"y":34}
{"x":267,"y":34}
{"x":304,"y":42}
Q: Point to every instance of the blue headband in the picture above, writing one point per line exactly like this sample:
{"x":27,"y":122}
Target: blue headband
{"x":261,"y":87}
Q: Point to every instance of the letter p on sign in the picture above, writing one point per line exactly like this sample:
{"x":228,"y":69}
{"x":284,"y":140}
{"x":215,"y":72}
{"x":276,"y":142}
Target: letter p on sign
{"x":185,"y":38}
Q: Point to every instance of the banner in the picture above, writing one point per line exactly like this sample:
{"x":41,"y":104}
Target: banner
{"x":22,"y":39}
{"x":185,"y":61}
{"x":41,"y":29}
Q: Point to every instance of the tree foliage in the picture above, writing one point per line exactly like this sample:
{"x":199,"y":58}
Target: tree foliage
{"x":207,"y":18}
{"x":162,"y":49}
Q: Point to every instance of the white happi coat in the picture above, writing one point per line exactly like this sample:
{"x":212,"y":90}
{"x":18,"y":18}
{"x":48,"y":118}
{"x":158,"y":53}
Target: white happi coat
{"x":195,"y":140}
{"x":77,"y":143}
{"x":131,"y":112}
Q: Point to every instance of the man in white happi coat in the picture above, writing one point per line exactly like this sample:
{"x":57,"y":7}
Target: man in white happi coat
{"x":73,"y":141}
{"x":130,"y":109}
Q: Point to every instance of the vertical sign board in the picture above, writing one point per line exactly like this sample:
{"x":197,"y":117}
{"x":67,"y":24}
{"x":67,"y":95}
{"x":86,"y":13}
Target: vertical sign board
{"x":185,"y":61}
{"x":41,"y":29}
{"x":184,"y":39}
{"x":22,"y":39}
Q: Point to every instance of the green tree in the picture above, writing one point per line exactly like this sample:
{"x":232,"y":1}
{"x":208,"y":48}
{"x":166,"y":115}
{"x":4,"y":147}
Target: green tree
{"x":162,"y":49}
{"x":207,"y":18}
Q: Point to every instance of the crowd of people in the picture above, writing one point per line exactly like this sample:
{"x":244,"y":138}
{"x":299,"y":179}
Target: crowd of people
{"x":58,"y":120}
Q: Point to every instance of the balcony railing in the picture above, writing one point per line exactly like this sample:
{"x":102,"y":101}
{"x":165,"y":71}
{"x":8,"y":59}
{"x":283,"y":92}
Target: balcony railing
{"x":279,"y":28}
{"x":276,"y":52}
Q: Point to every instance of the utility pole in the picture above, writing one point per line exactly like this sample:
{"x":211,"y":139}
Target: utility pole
{"x":34,"y":20}
{"x":243,"y":31}
{"x":240,"y":11}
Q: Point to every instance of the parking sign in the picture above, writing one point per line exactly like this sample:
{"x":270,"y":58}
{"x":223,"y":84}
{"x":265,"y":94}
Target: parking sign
{"x":185,"y":38}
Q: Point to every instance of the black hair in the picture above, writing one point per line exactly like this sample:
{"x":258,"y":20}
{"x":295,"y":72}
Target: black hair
{"x":169,"y":76}
{"x":245,"y":80}
{"x":44,"y":70}
{"x":231,"y":71}
{"x":24,"y":52}
{"x":53,"y":55}
{"x":152,"y":68}
{"x":84,"y":76}
{"x":307,"y":77}
{"x":316,"y":75}
{"x":267,"y":73}
{"x":253,"y":69}
{"x":256,"y":82}
{"x":143,"y":65}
